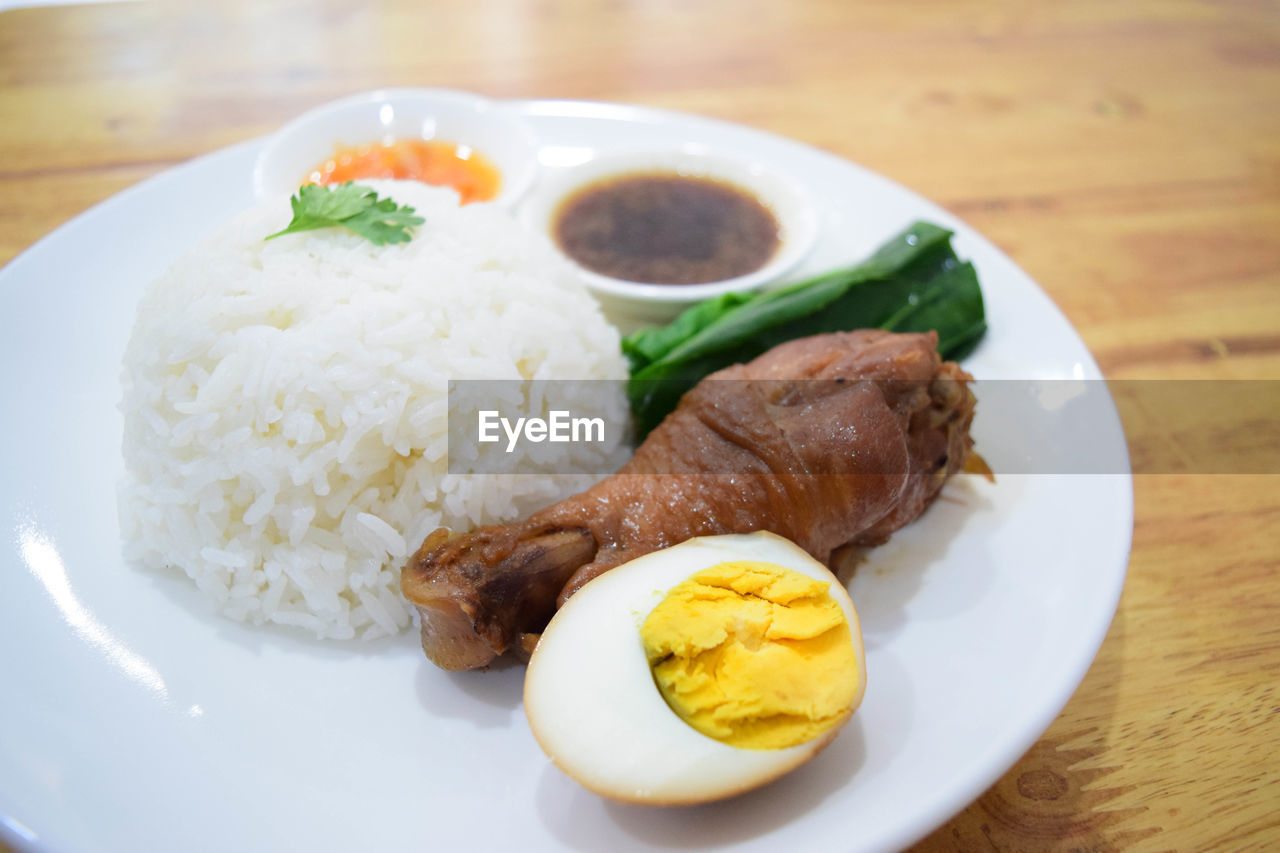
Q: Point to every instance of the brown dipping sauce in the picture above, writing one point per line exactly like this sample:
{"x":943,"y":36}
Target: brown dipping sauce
{"x":666,"y":228}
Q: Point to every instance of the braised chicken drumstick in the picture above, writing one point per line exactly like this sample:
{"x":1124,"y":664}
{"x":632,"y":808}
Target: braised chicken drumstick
{"x":830,"y":440}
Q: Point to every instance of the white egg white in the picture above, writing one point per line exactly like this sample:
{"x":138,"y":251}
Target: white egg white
{"x":594,"y":708}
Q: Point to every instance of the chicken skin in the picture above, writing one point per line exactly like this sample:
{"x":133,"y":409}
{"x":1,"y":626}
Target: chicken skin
{"x":832,"y":440}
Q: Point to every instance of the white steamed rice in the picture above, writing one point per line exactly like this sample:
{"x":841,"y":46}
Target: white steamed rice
{"x":285,"y":405}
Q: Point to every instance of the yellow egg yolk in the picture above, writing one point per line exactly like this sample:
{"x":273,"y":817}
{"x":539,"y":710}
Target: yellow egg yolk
{"x":753,"y":655}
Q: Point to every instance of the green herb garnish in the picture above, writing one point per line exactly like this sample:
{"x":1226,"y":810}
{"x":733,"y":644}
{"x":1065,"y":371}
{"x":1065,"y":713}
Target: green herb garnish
{"x":913,"y":283}
{"x":356,"y":208}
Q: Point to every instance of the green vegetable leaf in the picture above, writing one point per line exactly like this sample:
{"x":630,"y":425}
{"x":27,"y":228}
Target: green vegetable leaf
{"x":912,"y":283}
{"x":332,"y":202}
{"x":647,"y":345}
{"x":384,"y":223}
{"x":354,"y":207}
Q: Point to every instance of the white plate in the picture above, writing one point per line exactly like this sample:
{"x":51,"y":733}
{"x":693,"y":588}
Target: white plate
{"x":133,"y":719}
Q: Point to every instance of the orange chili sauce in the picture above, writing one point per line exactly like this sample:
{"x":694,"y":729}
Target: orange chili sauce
{"x":431,"y":161}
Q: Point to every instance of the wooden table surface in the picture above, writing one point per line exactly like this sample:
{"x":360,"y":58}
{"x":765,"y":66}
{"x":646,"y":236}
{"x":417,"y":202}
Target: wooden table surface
{"x":1127,"y":155}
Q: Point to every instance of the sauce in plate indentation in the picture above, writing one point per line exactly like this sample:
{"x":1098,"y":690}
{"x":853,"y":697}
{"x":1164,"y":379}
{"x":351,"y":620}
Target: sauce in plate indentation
{"x":431,"y":161}
{"x":666,"y":228}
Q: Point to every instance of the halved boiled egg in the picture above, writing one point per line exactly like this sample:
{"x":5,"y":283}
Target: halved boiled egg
{"x":697,"y":672}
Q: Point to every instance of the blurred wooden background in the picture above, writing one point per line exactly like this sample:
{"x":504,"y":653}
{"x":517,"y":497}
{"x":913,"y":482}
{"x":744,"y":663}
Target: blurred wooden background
{"x":1127,"y":155}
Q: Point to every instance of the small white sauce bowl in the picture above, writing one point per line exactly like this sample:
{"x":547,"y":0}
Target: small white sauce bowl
{"x":657,"y":303}
{"x":450,"y":116}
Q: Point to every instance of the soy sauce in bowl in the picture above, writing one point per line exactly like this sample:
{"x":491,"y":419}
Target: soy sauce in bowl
{"x":666,"y":228}
{"x":654,"y":230}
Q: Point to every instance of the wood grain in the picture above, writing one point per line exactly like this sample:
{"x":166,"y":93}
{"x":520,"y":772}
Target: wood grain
{"x":1127,"y":155}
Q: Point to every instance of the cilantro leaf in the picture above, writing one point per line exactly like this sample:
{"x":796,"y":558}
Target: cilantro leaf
{"x":354,"y":207}
{"x":384,"y":223}
{"x":337,"y":202}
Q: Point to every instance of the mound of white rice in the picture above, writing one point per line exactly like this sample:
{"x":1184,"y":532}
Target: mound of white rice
{"x":285,"y":404}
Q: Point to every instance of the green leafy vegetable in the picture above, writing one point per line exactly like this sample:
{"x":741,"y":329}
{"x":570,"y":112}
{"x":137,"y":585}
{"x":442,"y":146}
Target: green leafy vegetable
{"x":913,"y":283}
{"x":647,"y":345}
{"x":353,"y":207}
